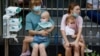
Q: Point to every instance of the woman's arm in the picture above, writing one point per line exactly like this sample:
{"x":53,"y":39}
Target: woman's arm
{"x":62,"y":28}
{"x":33,"y":32}
{"x":79,"y":34}
{"x":79,"y":24}
{"x":64,"y":36}
{"x":42,"y":32}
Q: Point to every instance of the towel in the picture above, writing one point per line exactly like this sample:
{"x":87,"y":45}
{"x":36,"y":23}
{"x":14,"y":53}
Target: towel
{"x":12,"y":10}
{"x":43,"y":26}
{"x":15,"y":21}
{"x":15,"y":28}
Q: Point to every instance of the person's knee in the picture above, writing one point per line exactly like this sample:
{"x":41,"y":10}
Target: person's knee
{"x":41,"y":46}
{"x":76,"y":46}
{"x":35,"y":47}
{"x":82,"y":45}
{"x":68,"y":48}
{"x":25,"y":39}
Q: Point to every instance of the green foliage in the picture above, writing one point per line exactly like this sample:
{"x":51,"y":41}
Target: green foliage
{"x":92,"y":54}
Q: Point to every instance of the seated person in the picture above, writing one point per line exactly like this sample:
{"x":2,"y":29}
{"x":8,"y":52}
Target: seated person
{"x":71,"y":33}
{"x":44,"y":24}
{"x":94,"y":13}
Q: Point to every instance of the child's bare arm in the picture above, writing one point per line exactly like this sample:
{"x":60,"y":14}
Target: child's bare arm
{"x":50,"y":29}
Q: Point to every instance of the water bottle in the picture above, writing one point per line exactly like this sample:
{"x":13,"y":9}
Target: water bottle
{"x":98,"y":34}
{"x":90,"y":34}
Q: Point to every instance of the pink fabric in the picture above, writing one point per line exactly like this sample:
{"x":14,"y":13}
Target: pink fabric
{"x":27,"y":53}
{"x":78,"y":23}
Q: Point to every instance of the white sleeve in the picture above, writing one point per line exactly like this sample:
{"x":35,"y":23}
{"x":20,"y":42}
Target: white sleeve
{"x":90,"y":1}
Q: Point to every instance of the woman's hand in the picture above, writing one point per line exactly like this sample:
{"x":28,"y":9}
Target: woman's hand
{"x":67,"y":44}
{"x":43,"y":33}
{"x":74,"y":36}
{"x":74,"y":43}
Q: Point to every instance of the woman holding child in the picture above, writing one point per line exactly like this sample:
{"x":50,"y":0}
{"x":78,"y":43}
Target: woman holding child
{"x":71,"y":30}
{"x":38,"y":25}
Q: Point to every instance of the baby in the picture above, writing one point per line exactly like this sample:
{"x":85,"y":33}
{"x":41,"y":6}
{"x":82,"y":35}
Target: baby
{"x":44,"y":24}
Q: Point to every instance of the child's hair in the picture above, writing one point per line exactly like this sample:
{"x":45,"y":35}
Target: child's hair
{"x":46,"y":13}
{"x":69,"y":18}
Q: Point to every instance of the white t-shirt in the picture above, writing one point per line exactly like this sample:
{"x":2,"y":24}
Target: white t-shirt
{"x":69,"y":31}
{"x":95,"y":3}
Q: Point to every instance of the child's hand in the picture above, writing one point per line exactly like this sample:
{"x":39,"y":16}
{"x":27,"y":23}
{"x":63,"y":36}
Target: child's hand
{"x":43,"y":33}
{"x":74,"y":36}
{"x":67,"y":44}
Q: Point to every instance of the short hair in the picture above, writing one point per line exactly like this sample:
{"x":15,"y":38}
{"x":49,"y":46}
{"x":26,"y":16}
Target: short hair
{"x":35,"y":3}
{"x":47,"y":13}
{"x":69,"y":18}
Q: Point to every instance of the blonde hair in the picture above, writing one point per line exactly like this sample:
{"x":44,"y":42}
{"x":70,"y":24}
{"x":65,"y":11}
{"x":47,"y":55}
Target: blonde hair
{"x":46,"y":13}
{"x":34,"y":3}
{"x":69,"y":18}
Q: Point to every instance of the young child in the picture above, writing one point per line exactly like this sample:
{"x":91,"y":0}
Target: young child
{"x":70,"y":33}
{"x":44,"y":24}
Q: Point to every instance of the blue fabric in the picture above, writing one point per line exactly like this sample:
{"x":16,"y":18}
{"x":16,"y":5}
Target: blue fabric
{"x":46,"y":43}
{"x":39,"y":39}
{"x":32,"y":21}
{"x":94,"y":15}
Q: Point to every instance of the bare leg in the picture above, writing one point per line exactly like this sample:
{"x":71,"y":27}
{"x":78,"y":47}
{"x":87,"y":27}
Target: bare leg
{"x":35,"y":50}
{"x":76,"y":50}
{"x":82,"y":45}
{"x":26,"y":42}
{"x":42,"y":50}
{"x":82,"y":48}
{"x":67,"y":51}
